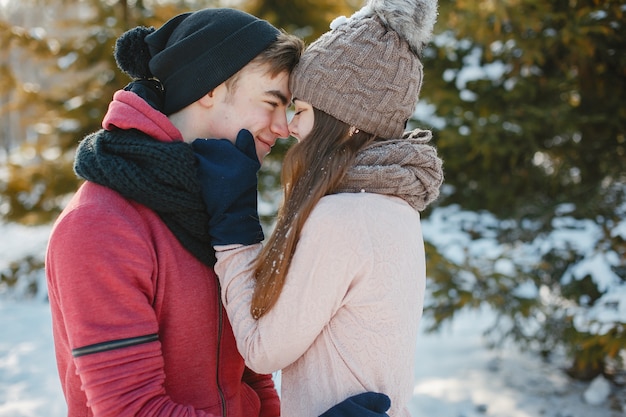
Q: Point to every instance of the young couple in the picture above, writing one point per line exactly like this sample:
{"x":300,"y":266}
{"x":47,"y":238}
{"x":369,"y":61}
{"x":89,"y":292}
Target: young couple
{"x":165,"y":303}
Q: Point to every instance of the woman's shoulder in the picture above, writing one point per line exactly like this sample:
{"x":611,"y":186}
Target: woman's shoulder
{"x":360,"y":202}
{"x":343,"y":209}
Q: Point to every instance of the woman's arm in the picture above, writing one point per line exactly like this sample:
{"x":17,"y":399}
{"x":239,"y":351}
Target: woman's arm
{"x":331,"y":252}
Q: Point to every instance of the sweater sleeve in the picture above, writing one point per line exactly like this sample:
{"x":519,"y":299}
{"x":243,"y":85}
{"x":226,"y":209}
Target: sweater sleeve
{"x":331,"y":253}
{"x":100,"y":268}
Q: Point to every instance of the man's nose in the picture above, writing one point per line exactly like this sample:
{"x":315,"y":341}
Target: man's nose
{"x":280,"y":127}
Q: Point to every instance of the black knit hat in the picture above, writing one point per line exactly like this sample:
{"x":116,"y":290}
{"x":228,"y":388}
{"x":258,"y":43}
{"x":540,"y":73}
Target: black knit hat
{"x":193,"y":53}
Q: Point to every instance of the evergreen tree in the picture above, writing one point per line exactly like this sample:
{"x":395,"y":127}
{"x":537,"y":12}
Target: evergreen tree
{"x":70,"y":77}
{"x":57,"y":76}
{"x":530,"y":99}
{"x":303,"y":18}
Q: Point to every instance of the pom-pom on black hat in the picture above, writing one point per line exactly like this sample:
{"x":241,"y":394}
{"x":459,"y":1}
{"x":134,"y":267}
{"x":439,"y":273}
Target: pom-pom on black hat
{"x":193,"y":53}
{"x":132,"y":54}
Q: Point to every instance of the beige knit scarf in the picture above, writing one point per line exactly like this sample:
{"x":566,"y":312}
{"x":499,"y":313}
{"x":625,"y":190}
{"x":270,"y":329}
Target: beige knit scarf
{"x":407,"y":168}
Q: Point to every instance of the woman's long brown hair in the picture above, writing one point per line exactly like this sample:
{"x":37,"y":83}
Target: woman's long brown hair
{"x":312,"y":168}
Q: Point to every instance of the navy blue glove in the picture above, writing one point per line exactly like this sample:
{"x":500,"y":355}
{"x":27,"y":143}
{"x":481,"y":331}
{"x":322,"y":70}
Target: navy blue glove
{"x":367,"y":404}
{"x":228,"y":176}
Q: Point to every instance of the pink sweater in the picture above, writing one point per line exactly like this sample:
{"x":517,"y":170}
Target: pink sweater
{"x":138,"y":326}
{"x":347,"y":318}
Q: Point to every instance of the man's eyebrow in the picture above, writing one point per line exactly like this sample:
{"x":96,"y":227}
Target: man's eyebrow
{"x":279,"y":95}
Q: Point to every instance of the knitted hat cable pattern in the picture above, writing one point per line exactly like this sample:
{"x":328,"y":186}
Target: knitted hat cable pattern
{"x":366,"y":71}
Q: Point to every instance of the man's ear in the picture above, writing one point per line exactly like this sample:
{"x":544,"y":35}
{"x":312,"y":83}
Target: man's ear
{"x":214,"y":96}
{"x":207,"y":100}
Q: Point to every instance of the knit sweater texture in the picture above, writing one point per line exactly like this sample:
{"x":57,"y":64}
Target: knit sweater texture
{"x":139,"y":329}
{"x":347,"y":318}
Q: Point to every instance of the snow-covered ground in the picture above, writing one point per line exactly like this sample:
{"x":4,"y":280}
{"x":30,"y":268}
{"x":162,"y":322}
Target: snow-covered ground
{"x":455,"y":375}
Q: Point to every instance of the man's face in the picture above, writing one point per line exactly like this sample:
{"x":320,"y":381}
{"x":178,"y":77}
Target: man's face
{"x":258,"y":103}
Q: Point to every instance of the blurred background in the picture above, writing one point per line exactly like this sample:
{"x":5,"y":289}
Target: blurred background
{"x":527,"y":103}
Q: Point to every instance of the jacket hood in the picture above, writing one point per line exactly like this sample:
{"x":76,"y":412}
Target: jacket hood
{"x":129,"y":111}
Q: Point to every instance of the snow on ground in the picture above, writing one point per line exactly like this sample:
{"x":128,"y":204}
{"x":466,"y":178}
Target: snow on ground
{"x":29,"y":384}
{"x":455,"y":374}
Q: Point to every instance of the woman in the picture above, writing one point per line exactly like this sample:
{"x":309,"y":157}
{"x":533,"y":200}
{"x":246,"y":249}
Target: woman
{"x":334,"y":298}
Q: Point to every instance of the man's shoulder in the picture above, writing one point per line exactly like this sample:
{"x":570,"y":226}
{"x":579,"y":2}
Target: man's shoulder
{"x":96,"y":203}
{"x":95,"y":197}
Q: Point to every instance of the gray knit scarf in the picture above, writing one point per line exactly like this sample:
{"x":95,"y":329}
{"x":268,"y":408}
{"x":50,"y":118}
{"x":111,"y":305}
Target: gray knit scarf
{"x":407,"y":168}
{"x":159,"y":175}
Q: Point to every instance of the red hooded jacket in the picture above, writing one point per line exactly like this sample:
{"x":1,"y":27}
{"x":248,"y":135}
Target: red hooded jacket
{"x":139,"y":329}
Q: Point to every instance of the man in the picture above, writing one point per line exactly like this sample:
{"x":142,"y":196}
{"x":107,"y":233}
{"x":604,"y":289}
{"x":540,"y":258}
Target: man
{"x":138,"y":325}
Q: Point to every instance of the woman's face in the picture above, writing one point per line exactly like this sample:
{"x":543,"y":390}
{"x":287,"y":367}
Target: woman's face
{"x":302,"y":122}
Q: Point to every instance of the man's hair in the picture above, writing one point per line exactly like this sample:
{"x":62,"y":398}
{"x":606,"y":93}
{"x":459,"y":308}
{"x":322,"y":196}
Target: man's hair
{"x":281,"y":56}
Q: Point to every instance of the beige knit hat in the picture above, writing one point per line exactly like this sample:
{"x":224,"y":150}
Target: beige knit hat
{"x":366,"y":70}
